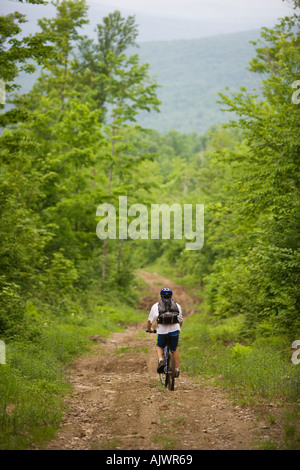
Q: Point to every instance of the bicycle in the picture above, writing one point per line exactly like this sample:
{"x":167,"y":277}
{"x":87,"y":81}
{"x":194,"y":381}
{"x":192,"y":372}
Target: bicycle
{"x":167,"y":377}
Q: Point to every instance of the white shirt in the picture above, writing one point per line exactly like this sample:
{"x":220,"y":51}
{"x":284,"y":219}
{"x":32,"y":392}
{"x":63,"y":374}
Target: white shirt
{"x":164,"y":329}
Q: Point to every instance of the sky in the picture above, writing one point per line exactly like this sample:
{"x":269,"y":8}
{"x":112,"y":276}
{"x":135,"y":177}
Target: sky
{"x":172,"y":19}
{"x":196,"y":9}
{"x":186,"y":19}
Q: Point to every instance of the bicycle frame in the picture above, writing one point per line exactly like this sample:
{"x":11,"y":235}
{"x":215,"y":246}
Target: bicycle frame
{"x":169,"y":380}
{"x":167,"y":377}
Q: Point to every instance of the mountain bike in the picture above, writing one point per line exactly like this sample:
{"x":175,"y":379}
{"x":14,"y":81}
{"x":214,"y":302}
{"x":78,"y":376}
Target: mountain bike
{"x":167,"y":377}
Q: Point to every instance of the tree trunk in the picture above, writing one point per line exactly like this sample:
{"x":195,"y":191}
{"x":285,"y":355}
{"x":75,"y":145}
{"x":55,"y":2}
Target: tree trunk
{"x":120,"y":254}
{"x":108,"y":190}
{"x":104,"y":260}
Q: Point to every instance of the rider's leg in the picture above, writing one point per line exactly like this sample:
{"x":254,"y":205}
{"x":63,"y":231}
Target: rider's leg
{"x":174,"y":337}
{"x":161,"y":343}
{"x":176,"y":358}
{"x":160,"y":352}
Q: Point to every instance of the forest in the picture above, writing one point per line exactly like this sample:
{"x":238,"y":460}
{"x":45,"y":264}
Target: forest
{"x":74,"y":142}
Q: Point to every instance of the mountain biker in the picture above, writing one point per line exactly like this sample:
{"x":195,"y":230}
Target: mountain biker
{"x":171,"y":330}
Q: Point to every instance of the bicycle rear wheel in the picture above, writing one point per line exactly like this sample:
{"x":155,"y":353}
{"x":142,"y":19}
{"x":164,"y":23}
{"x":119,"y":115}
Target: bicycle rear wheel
{"x":171,"y":372}
{"x":162,"y":378}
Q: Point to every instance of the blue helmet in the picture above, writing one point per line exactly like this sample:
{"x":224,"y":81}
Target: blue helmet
{"x":166,"y":292}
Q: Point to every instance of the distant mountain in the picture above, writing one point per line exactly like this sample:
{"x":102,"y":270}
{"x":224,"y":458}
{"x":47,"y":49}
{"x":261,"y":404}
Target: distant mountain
{"x":191,"y":73}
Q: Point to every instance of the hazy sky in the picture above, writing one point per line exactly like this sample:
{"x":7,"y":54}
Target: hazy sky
{"x":194,"y":9}
{"x":171,"y":19}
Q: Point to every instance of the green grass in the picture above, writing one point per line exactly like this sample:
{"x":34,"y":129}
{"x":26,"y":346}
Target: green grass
{"x":109,"y":444}
{"x":34,"y":380}
{"x":266,"y":444}
{"x":254,"y":373}
{"x":164,"y":269}
{"x":166,"y":442}
{"x":130,"y":350}
{"x":123,"y":349}
{"x":33,"y":384}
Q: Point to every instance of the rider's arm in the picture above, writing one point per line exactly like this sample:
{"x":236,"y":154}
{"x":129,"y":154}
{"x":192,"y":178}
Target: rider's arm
{"x":180,"y":318}
{"x":149,"y":323}
{"x":152,"y":317}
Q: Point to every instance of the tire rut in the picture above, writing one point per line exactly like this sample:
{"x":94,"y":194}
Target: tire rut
{"x":119,"y":403}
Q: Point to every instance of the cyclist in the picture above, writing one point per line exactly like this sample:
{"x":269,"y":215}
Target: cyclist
{"x":170,"y":327}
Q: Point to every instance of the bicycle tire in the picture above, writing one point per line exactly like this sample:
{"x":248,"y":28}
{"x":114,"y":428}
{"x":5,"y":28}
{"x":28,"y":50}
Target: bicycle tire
{"x":171,"y":372}
{"x":166,"y":369}
{"x":171,"y":382}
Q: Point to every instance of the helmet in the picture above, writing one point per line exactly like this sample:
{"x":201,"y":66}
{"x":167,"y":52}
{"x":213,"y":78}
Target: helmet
{"x":166,"y":293}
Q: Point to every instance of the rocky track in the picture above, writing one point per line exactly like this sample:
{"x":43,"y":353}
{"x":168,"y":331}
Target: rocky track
{"x":119,"y":403}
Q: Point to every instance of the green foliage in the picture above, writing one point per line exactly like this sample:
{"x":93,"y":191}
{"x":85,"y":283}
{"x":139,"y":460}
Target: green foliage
{"x":14,"y":53}
{"x":55,"y":164}
{"x":239,"y":351}
{"x":34,"y":380}
{"x":247,"y":176}
{"x":60,"y":276}
{"x":74,"y":142}
{"x":11,"y":307}
{"x":209,"y":349}
{"x":32,"y":384}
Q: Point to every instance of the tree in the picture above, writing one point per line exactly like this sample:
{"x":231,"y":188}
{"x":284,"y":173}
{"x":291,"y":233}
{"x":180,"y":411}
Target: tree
{"x":71,"y":16}
{"x":97,"y":59}
{"x":129,"y":90}
{"x":124,"y":88}
{"x":18,"y":55}
{"x":22,"y":233}
{"x":296,"y":3}
{"x":266,"y":184}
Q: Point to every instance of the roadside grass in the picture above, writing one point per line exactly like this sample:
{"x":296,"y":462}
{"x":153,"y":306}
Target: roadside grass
{"x":130,"y":350}
{"x":266,"y":444}
{"x":34,"y":380}
{"x":166,"y":442}
{"x":123,"y":349}
{"x":164,"y":268}
{"x":109,"y":444}
{"x":254,"y":373}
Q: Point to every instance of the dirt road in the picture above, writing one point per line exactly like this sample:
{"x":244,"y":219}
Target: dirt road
{"x":118,"y":402}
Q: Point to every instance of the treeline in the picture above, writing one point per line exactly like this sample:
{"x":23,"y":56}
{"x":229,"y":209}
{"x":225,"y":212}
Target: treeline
{"x":247,"y":175}
{"x":73,"y":142}
{"x":68,"y":145}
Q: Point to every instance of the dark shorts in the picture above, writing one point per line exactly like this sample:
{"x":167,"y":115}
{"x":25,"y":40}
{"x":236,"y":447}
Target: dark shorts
{"x":162,"y":340}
